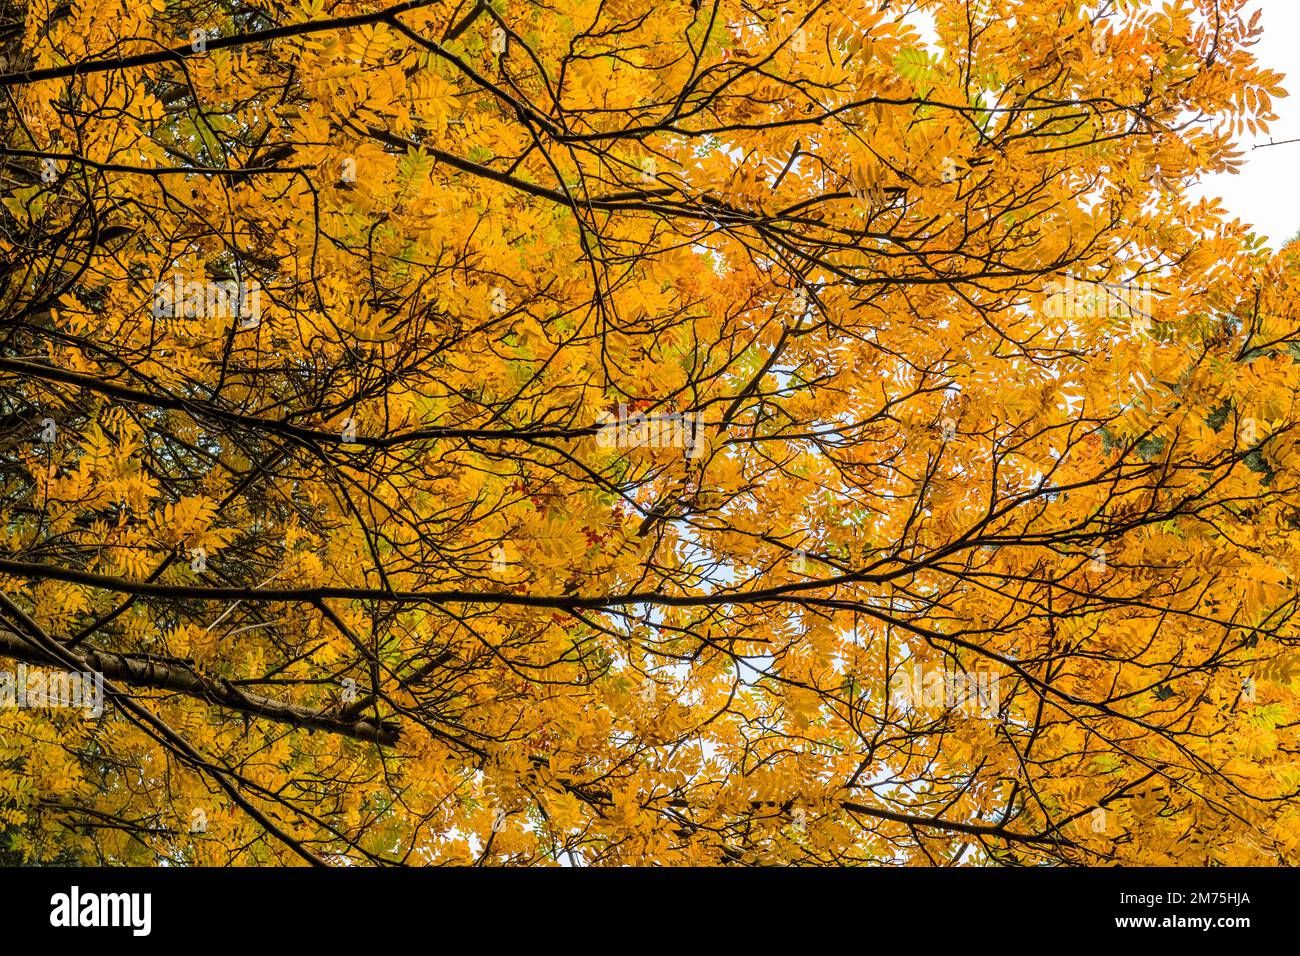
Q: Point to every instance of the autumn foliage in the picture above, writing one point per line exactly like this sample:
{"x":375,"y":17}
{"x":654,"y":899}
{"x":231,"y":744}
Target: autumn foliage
{"x":628,"y":432}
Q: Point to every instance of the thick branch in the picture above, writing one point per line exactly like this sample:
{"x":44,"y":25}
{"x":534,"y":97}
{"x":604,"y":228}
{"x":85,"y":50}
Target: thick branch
{"x":183,"y":679}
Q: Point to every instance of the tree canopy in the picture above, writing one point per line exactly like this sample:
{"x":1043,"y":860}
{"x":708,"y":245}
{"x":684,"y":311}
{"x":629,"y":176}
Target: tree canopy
{"x":708,"y":432}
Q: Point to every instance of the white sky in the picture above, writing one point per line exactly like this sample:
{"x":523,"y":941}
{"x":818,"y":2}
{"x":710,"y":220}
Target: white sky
{"x":1265,"y":193}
